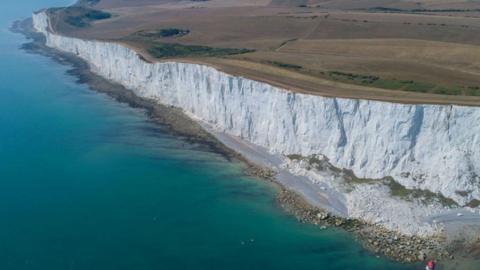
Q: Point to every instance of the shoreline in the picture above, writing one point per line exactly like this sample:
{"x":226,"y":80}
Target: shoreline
{"x":384,"y":242}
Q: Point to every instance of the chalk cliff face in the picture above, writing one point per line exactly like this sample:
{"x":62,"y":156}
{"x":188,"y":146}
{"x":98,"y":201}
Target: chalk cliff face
{"x":433,"y":147}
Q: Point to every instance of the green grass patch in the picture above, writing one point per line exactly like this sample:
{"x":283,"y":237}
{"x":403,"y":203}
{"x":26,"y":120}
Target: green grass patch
{"x":474,"y":203}
{"x":162,"y":33}
{"x":420,"y":87}
{"x":454,"y":90}
{"x":388,"y":84}
{"x":173,"y":32}
{"x":79,"y":16}
{"x":472,"y":91}
{"x":426,"y":196}
{"x":284,"y":65}
{"x":420,"y":10}
{"x":168,"y":50}
{"x":87,"y":2}
{"x":358,"y":78}
{"x":403,"y":85}
{"x":295,"y":157}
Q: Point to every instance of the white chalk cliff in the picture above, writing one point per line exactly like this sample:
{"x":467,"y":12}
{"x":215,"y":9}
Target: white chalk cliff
{"x":431,"y":147}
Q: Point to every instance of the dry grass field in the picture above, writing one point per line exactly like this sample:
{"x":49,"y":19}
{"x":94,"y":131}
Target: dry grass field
{"x":392,"y":50}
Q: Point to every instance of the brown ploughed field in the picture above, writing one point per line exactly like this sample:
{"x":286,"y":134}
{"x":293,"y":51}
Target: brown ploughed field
{"x":391,"y":50}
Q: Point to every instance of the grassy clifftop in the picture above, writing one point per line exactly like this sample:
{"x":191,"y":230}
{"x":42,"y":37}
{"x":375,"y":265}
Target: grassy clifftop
{"x":77,"y":16}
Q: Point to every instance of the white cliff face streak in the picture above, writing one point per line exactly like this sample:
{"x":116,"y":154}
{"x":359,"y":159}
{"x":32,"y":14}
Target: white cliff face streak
{"x":431,"y":147}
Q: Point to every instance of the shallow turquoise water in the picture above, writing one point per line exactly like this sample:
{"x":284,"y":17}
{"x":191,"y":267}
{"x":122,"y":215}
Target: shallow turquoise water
{"x":88,"y":183}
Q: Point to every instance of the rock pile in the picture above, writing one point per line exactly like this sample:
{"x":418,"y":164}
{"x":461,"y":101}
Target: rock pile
{"x":375,"y":238}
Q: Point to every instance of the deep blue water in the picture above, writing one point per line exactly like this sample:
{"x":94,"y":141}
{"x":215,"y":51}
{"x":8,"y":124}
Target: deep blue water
{"x":89,"y":183}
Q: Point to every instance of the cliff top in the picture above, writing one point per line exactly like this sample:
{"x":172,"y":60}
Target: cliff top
{"x":422,"y":52}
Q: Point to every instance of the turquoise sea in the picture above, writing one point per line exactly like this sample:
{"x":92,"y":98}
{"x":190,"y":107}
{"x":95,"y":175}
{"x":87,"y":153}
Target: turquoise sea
{"x":89,"y":183}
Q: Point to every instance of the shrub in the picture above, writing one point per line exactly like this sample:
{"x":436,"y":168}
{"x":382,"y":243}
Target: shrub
{"x":170,"y":32}
{"x":166,"y":50}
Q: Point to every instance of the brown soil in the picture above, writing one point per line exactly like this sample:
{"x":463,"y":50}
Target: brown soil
{"x":438,"y":49}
